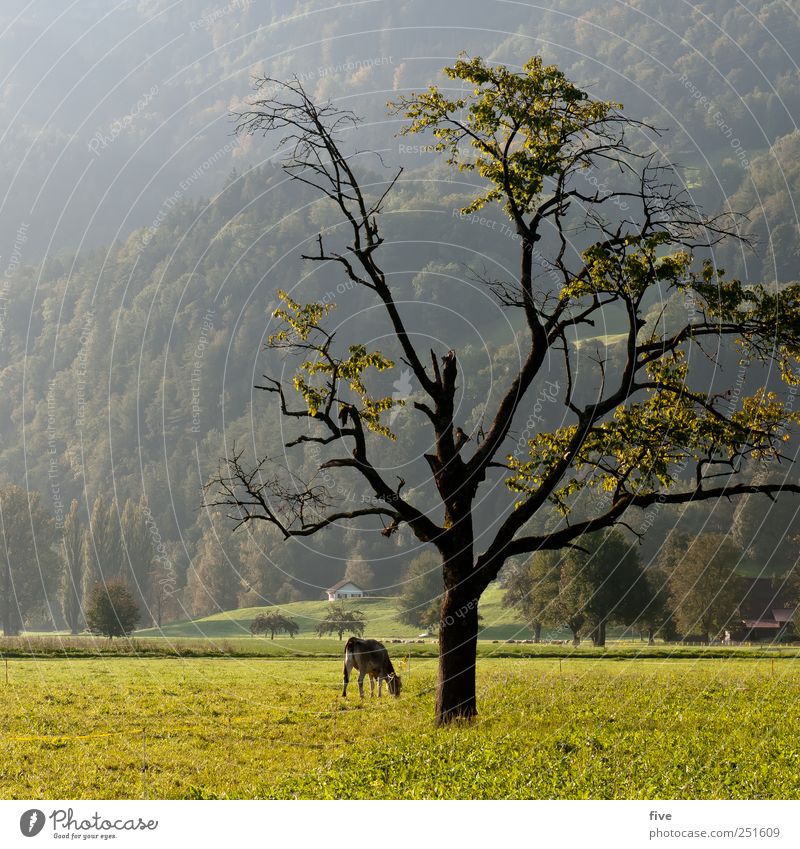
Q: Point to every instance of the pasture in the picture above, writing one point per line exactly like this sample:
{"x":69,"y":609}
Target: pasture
{"x":258,"y":727}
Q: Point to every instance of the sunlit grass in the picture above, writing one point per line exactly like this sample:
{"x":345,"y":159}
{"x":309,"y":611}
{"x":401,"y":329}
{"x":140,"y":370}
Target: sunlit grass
{"x":259,"y":728}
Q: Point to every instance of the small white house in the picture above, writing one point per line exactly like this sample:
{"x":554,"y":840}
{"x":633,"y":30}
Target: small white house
{"x":344,"y":589}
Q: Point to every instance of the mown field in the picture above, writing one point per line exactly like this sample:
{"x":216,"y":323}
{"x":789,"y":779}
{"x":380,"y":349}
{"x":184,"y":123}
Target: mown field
{"x":271,"y":728}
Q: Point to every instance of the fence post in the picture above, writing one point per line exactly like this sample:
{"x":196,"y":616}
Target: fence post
{"x":144,"y":763}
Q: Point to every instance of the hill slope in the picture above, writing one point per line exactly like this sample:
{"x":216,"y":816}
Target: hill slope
{"x":498,"y":623}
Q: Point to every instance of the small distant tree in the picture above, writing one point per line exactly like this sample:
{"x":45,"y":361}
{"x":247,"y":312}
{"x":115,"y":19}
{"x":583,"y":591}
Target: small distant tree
{"x":341,"y":620}
{"x":274,"y":623}
{"x":112,"y":609}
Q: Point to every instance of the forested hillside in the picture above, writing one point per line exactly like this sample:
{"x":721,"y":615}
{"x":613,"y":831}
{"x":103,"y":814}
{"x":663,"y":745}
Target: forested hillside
{"x":130,"y":347}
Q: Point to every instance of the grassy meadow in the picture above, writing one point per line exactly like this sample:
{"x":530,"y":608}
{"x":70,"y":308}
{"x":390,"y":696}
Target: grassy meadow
{"x":499,"y":623}
{"x":259,"y":727}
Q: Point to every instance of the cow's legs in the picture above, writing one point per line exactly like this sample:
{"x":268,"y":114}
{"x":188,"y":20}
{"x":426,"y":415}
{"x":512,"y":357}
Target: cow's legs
{"x":361,"y":684}
{"x":371,"y":686}
{"x":348,"y":668}
{"x":380,"y":685}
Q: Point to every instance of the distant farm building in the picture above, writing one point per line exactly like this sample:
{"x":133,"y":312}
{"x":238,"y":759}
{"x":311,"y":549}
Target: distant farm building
{"x":344,"y":590}
{"x":766,"y":613}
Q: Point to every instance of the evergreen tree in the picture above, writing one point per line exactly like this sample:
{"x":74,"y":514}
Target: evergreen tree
{"x":138,"y":547}
{"x":72,"y":554}
{"x":105,"y":551}
{"x":29,"y":563}
{"x":213,"y":582}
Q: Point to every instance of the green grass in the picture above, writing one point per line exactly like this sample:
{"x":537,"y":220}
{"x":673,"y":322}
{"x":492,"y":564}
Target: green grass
{"x":499,"y":623}
{"x":271,"y":728}
{"x":64,"y":646}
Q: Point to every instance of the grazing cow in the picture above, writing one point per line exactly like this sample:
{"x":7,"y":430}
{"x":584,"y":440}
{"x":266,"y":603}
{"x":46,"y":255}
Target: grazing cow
{"x":369,"y":657}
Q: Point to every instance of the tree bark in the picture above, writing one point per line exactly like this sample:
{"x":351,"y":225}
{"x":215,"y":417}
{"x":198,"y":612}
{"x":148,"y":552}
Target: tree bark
{"x":651,"y":636}
{"x":458,"y":645}
{"x":537,"y":632}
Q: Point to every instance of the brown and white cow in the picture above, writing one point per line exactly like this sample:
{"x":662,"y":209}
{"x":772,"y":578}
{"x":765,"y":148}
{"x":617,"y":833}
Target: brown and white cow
{"x":369,"y":657}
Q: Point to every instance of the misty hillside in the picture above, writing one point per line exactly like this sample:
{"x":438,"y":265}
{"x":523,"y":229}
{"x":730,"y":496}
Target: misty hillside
{"x":143,"y":243}
{"x":110,"y":112}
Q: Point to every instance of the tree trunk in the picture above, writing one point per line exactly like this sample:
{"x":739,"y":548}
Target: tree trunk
{"x":537,"y":632}
{"x":651,"y":636}
{"x":599,"y":634}
{"x":458,"y":644}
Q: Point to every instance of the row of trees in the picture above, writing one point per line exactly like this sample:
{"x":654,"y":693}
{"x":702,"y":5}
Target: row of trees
{"x":339,"y":619}
{"x":47,"y":569}
{"x":692,"y":588}
{"x":587,"y":589}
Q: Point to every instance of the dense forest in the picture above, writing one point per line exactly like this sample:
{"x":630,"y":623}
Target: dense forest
{"x":130,"y":348}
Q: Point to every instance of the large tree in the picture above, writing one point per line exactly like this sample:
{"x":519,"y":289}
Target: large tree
{"x":532,"y":588}
{"x":657,"y":616}
{"x":606,"y":581}
{"x":705,"y":593}
{"x":105,"y":553}
{"x":602,"y":229}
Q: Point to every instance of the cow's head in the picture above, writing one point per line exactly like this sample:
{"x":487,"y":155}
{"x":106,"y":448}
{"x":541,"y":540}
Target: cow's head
{"x":394,"y":684}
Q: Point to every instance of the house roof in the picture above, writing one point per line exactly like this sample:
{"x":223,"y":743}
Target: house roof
{"x":760,"y":598}
{"x":769,"y":624}
{"x":783,"y":614}
{"x":343,"y":583}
